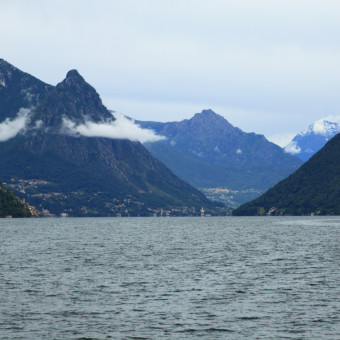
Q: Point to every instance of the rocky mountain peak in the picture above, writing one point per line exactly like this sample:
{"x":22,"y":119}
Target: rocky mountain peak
{"x":75,"y":80}
{"x":73,"y":73}
{"x":73,"y":77}
{"x":209,"y":112}
{"x":211,"y":124}
{"x":207,"y":115}
{"x":73,"y":99}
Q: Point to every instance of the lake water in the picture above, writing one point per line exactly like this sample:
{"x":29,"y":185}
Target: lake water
{"x":170,"y":278}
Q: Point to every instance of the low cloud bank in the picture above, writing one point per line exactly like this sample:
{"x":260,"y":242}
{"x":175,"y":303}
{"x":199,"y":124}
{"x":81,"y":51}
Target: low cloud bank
{"x":10,"y":128}
{"x":121,"y":128}
{"x":292,"y":148}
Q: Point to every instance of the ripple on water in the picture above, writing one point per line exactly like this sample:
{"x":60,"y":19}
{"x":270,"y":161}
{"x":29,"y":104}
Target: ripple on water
{"x":182,"y":278}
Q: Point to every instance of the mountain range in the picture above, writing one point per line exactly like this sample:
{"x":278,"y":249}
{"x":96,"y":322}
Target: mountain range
{"x":313,"y":189}
{"x":305,"y":144}
{"x":208,"y":152}
{"x":48,"y":159}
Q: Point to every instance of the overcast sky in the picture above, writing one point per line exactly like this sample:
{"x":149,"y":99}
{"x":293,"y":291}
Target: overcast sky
{"x":270,"y":67}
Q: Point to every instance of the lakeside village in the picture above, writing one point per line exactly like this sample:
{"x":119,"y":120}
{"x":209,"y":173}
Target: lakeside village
{"x":116,"y":207}
{"x":231,"y":198}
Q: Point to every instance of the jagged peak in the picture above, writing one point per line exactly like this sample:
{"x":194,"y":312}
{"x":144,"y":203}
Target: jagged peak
{"x":207,"y":112}
{"x":74,"y":99}
{"x":73,"y":73}
{"x":75,"y":80}
{"x":209,"y":115}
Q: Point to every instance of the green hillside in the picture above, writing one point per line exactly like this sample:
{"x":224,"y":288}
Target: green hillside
{"x":313,"y":189}
{"x":10,"y":205}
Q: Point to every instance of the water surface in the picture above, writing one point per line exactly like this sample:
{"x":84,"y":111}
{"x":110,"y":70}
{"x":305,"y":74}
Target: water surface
{"x":170,"y":278}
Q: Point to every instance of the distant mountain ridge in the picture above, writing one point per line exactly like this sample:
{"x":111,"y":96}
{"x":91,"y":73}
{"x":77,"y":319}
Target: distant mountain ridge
{"x":64,"y":172}
{"x":313,"y":189}
{"x":305,"y":144}
{"x":207,"y":151}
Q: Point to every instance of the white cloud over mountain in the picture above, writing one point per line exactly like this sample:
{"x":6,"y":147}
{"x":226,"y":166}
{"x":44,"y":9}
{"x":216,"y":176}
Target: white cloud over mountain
{"x":10,"y":128}
{"x":292,"y":148}
{"x":120,"y":128}
{"x":276,"y":62}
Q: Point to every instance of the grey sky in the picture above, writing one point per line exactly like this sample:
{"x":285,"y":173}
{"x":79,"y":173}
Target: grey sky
{"x":271,"y":67}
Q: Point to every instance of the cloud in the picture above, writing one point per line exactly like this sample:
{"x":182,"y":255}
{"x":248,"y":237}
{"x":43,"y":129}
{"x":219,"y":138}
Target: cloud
{"x":121,"y":128}
{"x":10,"y":128}
{"x":239,"y":54}
{"x":292,"y":148}
{"x":281,"y":139}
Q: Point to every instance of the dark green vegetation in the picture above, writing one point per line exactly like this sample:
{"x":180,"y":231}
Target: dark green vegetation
{"x":208,"y":152}
{"x":313,"y":189}
{"x":61,"y":173}
{"x":10,"y":205}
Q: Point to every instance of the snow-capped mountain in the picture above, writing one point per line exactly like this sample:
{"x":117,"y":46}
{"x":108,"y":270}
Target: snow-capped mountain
{"x":305,"y":144}
{"x":322,"y":127}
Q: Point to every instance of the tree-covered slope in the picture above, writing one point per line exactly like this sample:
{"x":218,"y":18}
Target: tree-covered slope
{"x":313,"y":189}
{"x":10,"y":205}
{"x":85,"y":176}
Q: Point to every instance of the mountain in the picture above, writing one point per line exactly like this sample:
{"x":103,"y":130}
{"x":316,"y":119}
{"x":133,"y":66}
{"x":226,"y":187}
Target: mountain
{"x":18,"y":90}
{"x":305,"y":144}
{"x":313,"y":189}
{"x":59,"y":170}
{"x":208,"y":152}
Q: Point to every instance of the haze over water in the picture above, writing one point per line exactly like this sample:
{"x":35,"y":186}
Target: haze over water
{"x":170,"y":278}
